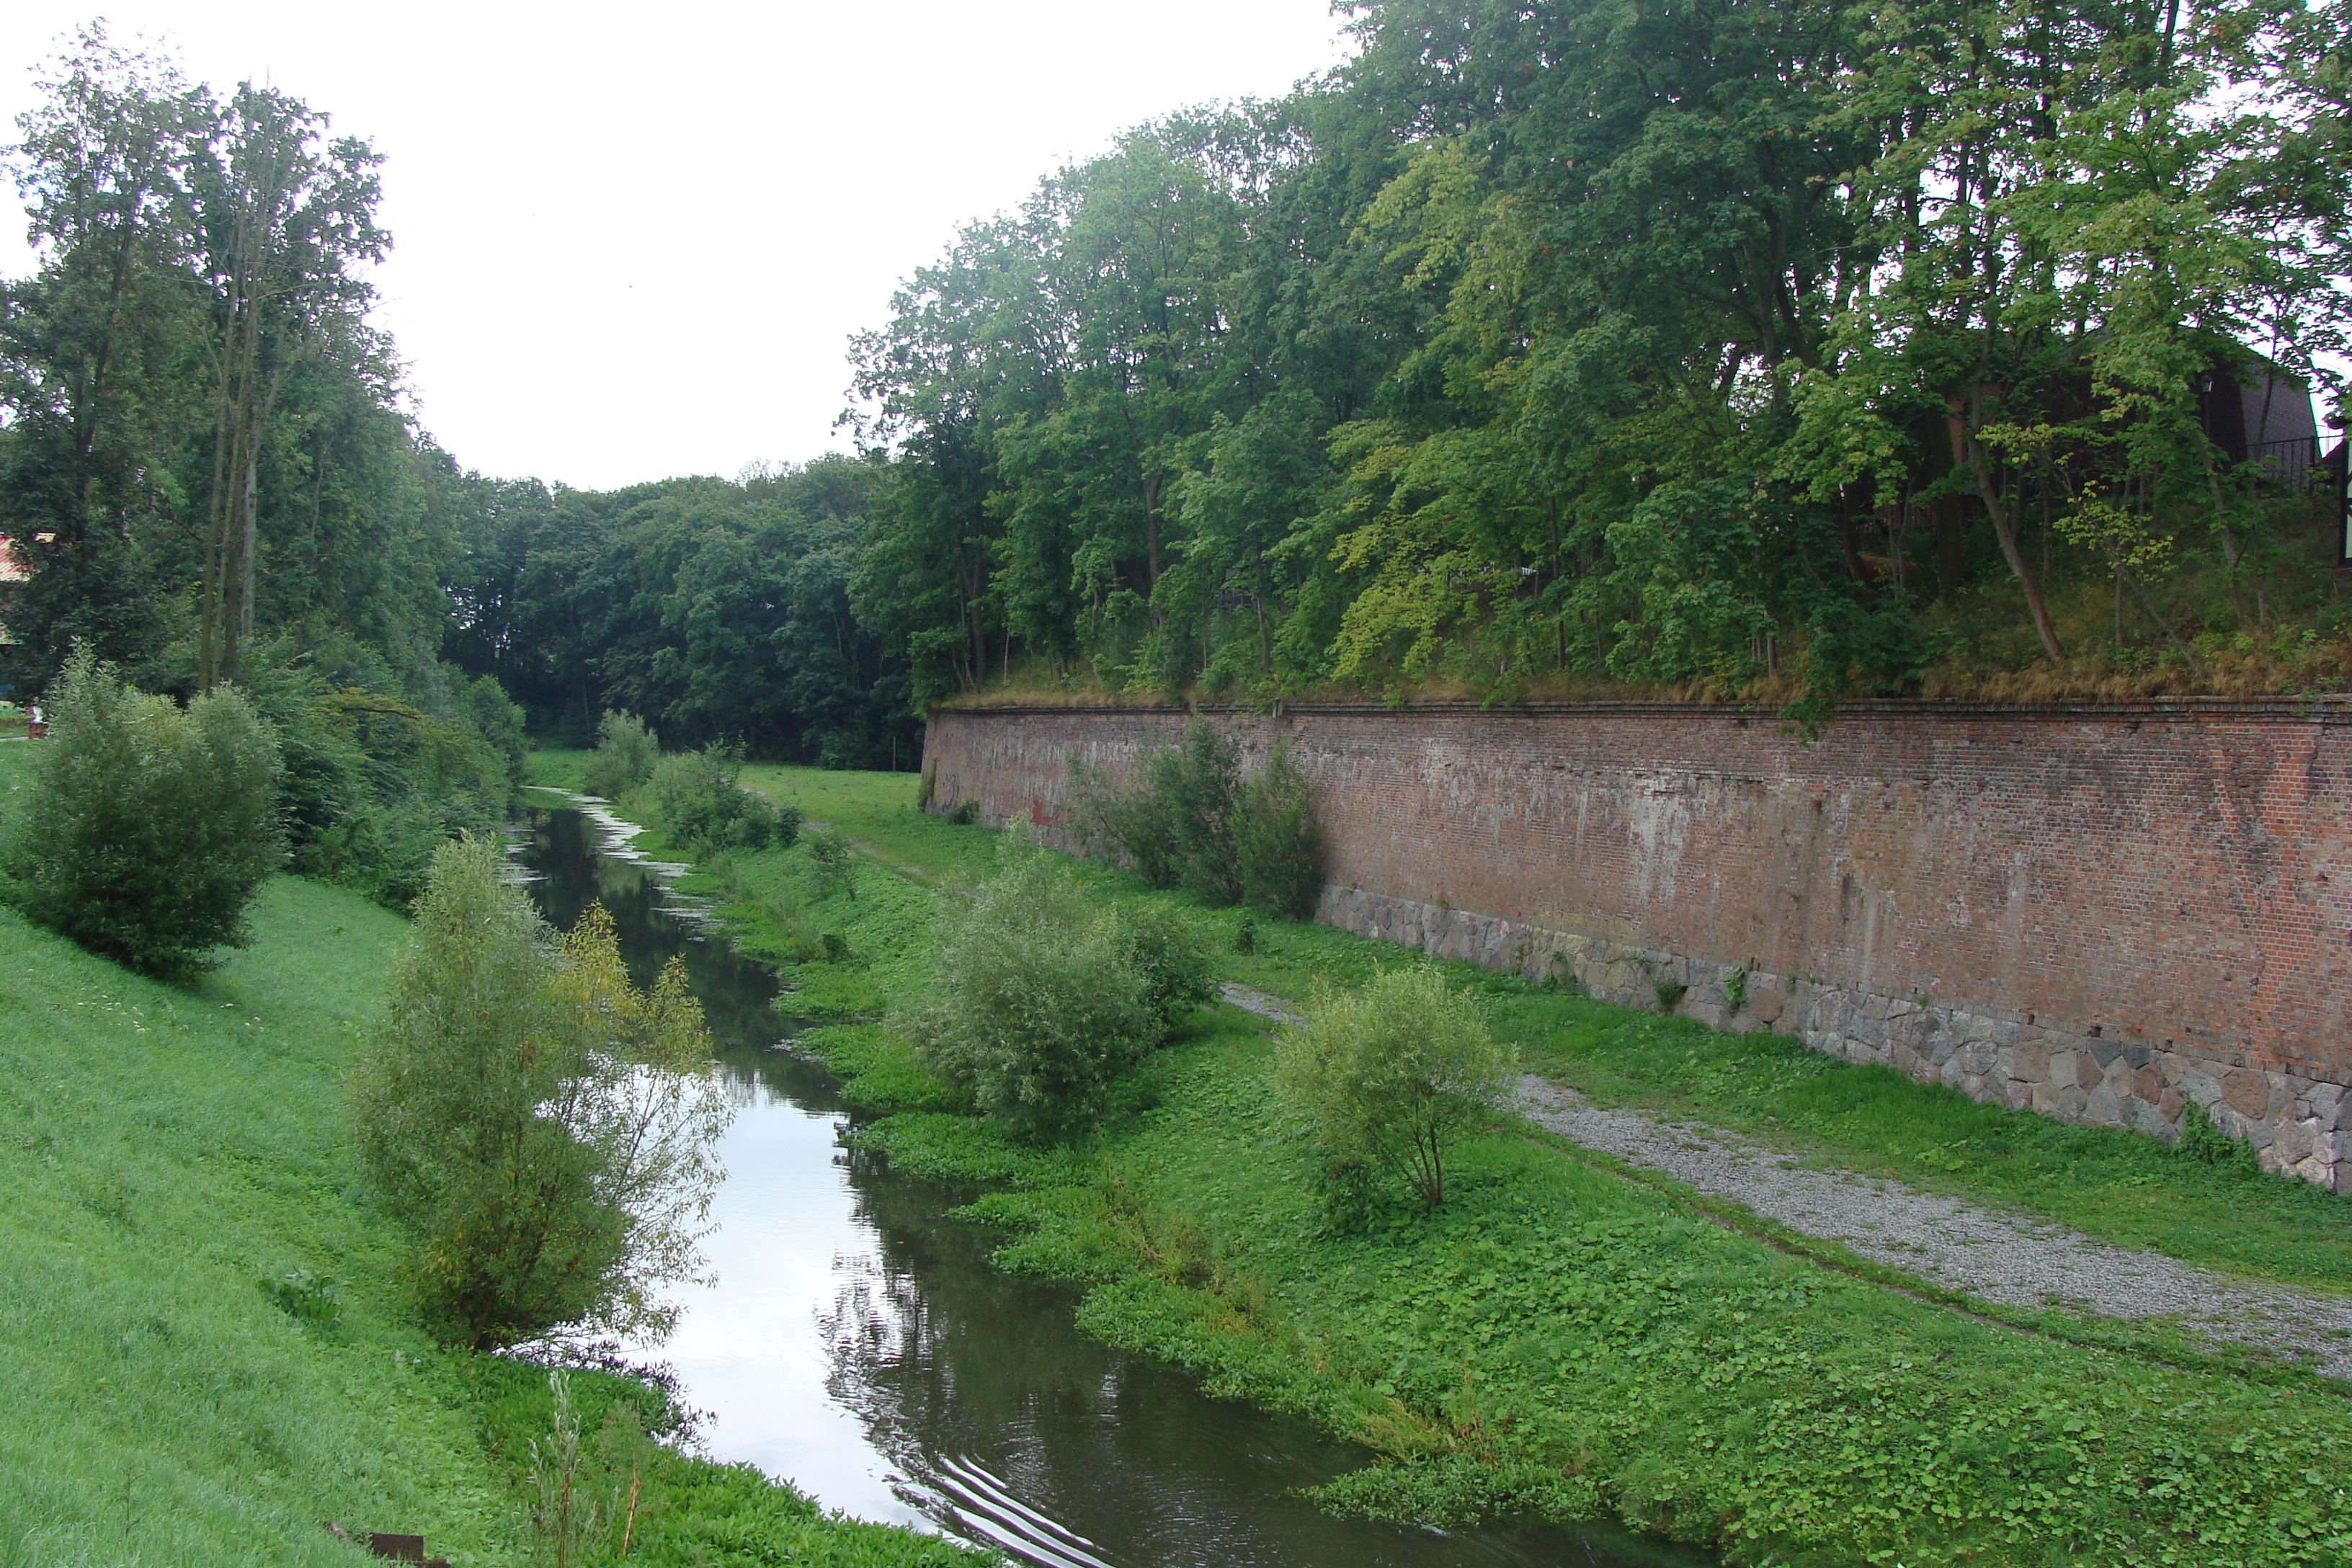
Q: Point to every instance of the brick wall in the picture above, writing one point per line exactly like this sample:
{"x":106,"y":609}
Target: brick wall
{"x":2105,"y":914}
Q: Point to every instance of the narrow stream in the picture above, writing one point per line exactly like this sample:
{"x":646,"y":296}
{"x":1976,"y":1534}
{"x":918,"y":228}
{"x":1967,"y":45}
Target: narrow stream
{"x":857,"y":1343}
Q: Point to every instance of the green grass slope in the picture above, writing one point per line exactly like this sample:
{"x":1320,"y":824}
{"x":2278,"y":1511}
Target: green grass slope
{"x":163,"y":1150}
{"x":166,"y":1151}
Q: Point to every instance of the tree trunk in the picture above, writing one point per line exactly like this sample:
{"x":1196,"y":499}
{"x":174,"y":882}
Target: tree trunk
{"x":2006,"y":532}
{"x":1150,"y":535}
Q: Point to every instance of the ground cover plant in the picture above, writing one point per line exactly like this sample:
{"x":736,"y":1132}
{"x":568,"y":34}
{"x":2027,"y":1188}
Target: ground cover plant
{"x":2224,"y":1214}
{"x":166,"y":1150}
{"x":1554,"y":1336}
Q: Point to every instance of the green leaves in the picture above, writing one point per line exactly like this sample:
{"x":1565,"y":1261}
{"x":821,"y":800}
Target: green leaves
{"x":1593,"y":340}
{"x":149,"y":829}
{"x":1392,"y":1075}
{"x":537,"y":1124}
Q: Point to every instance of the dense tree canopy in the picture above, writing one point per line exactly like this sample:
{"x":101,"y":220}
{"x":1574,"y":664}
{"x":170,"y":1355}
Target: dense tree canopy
{"x":1659,"y":344}
{"x":715,"y":610}
{"x":201,"y":445}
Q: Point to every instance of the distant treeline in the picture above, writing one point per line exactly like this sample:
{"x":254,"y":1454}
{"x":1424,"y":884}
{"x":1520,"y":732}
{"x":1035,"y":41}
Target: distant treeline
{"x":714,"y":609}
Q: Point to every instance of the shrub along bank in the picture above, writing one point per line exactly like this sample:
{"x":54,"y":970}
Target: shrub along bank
{"x":208,"y":1353}
{"x":1554,"y":1337}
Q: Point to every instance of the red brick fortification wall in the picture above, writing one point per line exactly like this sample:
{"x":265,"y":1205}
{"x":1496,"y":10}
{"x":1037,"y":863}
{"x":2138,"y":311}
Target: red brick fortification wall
{"x":2105,"y":913}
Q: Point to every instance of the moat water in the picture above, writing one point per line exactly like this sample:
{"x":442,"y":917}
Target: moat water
{"x":857,"y":1343}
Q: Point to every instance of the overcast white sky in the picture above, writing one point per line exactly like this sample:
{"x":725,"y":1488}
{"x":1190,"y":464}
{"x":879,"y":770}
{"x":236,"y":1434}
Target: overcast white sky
{"x":632,"y":242}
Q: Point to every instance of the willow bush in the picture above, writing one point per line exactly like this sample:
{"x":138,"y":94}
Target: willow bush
{"x":625,"y":756}
{"x":1044,"y":998}
{"x":1390,"y":1076}
{"x":538,"y":1125}
{"x":1195,"y":823}
{"x":702,"y":801}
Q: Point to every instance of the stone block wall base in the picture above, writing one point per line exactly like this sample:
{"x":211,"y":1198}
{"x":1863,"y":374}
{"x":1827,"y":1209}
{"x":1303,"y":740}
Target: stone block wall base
{"x":2297,"y":1125}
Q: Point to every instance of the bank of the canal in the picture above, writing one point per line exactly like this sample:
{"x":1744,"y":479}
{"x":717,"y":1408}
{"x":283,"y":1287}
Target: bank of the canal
{"x":207,"y":1355}
{"x":1558,"y":1339}
{"x":859,"y":1342}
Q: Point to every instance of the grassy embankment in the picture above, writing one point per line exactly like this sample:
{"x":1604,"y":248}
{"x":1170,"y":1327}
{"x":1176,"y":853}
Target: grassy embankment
{"x":1567,"y":1338}
{"x":163,"y":1150}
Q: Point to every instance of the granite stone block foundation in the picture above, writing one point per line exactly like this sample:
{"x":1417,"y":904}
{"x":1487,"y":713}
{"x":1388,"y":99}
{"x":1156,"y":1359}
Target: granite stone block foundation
{"x":2105,"y":914}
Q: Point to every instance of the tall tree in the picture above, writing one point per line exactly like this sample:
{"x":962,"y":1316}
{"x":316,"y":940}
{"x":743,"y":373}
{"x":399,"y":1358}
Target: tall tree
{"x":93,"y":346}
{"x":285,"y":223}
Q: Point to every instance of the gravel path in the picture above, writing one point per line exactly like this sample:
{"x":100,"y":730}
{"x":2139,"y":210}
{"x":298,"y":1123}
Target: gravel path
{"x":1956,"y":1245}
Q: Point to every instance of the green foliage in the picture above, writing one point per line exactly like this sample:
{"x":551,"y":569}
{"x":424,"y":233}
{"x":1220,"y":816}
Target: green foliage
{"x":834,"y":862}
{"x":305,"y":1297}
{"x":373,"y":780}
{"x":703,"y":804}
{"x":715,"y":609}
{"x":1195,"y":824}
{"x":1393,"y":1074}
{"x":2121,"y":1186}
{"x":1169,"y":961}
{"x":2202,"y":1139}
{"x":1556,"y":1338}
{"x":203,"y":444}
{"x":585,"y":1496}
{"x":1553,"y":1323}
{"x":511,"y":1234}
{"x":149,"y":827}
{"x":626,"y":752}
{"x":1042,"y":1001}
{"x":1277,"y":842}
{"x":502,"y":1114}
{"x":1131,"y":829}
{"x":1496,"y":365}
{"x":584,"y":1442}
{"x":161,"y":1152}
{"x":158,"y":1149}
{"x":1184,"y":822}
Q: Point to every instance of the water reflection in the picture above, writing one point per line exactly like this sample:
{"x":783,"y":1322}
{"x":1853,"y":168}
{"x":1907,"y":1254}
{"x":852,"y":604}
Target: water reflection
{"x":857,"y":1343}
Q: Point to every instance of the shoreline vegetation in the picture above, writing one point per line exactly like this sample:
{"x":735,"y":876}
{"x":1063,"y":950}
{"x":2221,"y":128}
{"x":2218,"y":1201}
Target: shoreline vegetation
{"x":223,"y":1367}
{"x":1560,"y":1338}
